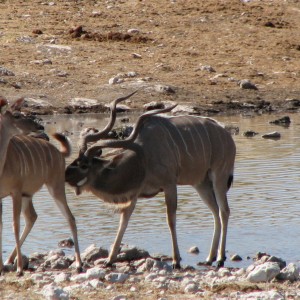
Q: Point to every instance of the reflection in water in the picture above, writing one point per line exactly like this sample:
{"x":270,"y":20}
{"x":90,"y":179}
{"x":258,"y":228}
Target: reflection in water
{"x":264,"y":203}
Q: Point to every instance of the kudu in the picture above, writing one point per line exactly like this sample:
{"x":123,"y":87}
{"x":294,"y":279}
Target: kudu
{"x":27,"y":163}
{"x":161,"y":153}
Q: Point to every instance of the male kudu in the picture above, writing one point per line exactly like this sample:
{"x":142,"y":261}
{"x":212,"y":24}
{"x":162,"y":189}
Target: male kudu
{"x":26,"y":164}
{"x":161,"y":153}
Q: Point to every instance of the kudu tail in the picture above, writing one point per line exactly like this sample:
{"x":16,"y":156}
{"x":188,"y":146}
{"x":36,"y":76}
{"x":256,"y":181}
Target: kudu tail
{"x":65,"y":144}
{"x":229,"y":182}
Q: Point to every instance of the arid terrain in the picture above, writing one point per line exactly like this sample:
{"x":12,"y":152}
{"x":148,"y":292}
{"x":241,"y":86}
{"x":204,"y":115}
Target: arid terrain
{"x":214,"y":57}
{"x":191,"y":52}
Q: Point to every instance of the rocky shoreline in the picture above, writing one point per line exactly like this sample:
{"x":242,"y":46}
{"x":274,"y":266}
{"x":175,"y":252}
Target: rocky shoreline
{"x":137,"y":275}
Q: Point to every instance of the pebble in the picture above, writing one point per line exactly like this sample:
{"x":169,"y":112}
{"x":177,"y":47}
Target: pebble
{"x":246,"y":84}
{"x":159,"y":277}
{"x":272,"y":135}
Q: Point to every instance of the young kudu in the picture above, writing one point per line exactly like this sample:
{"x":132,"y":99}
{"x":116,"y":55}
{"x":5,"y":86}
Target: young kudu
{"x":161,"y":153}
{"x":27,"y":163}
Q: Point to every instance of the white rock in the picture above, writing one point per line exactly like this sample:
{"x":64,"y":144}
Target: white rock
{"x":133,"y":30}
{"x":191,"y":288}
{"x":95,"y":273}
{"x":115,"y":80}
{"x":120,"y":297}
{"x":290,"y":272}
{"x":79,"y":278}
{"x":51,"y":292}
{"x":266,"y":295}
{"x":116,"y":277}
{"x":95,"y":283}
{"x":264,"y":273}
{"x":150,"y":277}
{"x":62,"y":277}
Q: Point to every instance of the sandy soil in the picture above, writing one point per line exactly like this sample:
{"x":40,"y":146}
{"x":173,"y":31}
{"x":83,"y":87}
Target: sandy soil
{"x":171,"y":43}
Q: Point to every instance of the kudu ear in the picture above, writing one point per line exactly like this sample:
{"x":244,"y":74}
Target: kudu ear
{"x":16,"y":106}
{"x":95,"y":151}
{"x":3,"y":105}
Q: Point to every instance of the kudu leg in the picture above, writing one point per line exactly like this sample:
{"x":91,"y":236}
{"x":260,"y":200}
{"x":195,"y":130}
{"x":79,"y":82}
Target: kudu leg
{"x":30,"y":217}
{"x":171,"y":203}
{"x":206,"y":193}
{"x":17,"y":207}
{"x":1,"y":229}
{"x":124,"y":219}
{"x":220,"y":189}
{"x":60,"y":198}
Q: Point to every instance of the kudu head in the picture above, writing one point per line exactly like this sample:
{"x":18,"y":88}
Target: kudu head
{"x":89,"y":165}
{"x":14,"y":122}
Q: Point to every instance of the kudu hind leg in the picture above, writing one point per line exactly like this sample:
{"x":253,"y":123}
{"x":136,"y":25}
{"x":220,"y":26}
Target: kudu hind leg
{"x":124,"y":219}
{"x":30,"y":217}
{"x":60,"y":198}
{"x":171,"y":203}
{"x":205,"y":191}
{"x":220,"y":189}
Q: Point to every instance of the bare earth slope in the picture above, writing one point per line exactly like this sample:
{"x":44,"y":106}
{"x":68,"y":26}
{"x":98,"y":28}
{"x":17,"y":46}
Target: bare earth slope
{"x":174,"y":44}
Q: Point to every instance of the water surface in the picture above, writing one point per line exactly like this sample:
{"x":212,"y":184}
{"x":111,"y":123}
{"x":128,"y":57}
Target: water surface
{"x":264,"y":202}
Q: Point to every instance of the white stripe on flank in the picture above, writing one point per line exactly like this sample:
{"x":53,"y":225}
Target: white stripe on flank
{"x":17,"y":142}
{"x":42,"y":157}
{"x":31,"y":155}
{"x":208,"y":159}
{"x":171,"y":138}
{"x":182,"y":138}
{"x":202,"y":154}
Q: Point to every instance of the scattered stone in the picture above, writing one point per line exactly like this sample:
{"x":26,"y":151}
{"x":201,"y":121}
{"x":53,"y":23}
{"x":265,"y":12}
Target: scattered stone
{"x":154,"y":105}
{"x":264,"y":273}
{"x":234,"y":130}
{"x":164,"y":89}
{"x":133,"y":31}
{"x":41,"y":62}
{"x":284,"y":121}
{"x":95,"y":273}
{"x":207,"y":68}
{"x":93,"y":253}
{"x":272,"y":135}
{"x":116,"y":277}
{"x":246,"y":84}
{"x":136,"y":55}
{"x":131,"y":253}
{"x":51,"y":292}
{"x":250,"y":133}
{"x":194,"y":250}
{"x":236,"y":257}
{"x":67,"y":243}
{"x":290,"y":273}
{"x":6,"y":72}
{"x":115,"y":80}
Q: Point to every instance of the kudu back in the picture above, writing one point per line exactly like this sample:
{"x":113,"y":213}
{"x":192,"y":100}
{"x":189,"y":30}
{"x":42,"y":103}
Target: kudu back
{"x":27,"y":163}
{"x":161,"y":153}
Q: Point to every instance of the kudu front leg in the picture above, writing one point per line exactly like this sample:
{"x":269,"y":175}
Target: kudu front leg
{"x":124,"y":219}
{"x":30,"y":217}
{"x":17,"y":206}
{"x":171,"y":203}
{"x":1,"y":229}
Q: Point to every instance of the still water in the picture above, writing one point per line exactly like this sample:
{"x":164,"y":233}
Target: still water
{"x":264,"y":202}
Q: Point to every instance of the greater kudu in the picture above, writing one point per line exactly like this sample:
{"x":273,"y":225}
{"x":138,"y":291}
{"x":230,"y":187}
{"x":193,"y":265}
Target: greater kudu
{"x":26,"y":164}
{"x":161,"y":153}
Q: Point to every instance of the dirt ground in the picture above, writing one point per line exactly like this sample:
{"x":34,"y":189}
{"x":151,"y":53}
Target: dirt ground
{"x":192,"y":52}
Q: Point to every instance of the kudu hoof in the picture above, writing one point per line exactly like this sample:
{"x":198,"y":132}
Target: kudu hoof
{"x":20,"y":273}
{"x":176,"y":266}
